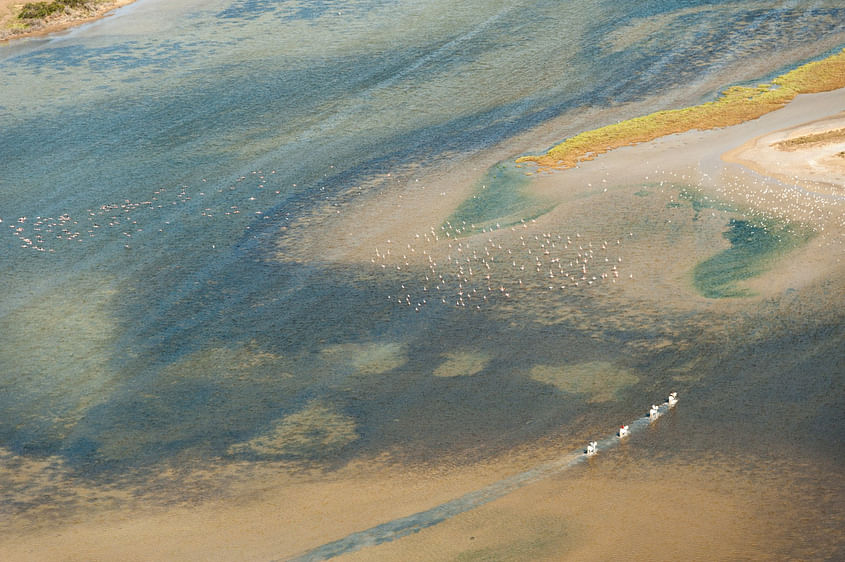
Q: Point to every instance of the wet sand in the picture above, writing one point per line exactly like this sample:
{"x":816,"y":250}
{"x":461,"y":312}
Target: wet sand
{"x":599,"y":200}
{"x":818,"y":166}
{"x":269,"y":514}
{"x":621,"y":508}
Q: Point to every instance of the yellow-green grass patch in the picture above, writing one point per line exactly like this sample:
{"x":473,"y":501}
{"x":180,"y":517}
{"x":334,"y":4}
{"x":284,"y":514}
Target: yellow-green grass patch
{"x":735,"y":105}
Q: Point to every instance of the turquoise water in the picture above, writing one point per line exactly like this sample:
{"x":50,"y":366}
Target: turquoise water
{"x":151,"y":162}
{"x":754,"y":248}
{"x":499,"y":198}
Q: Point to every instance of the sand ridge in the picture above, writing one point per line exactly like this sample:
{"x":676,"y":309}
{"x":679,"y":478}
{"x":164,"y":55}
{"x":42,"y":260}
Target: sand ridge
{"x":817,"y":164}
{"x":735,"y":105}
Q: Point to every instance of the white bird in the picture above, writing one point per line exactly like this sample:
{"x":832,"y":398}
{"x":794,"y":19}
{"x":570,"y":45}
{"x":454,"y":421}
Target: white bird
{"x":592,"y":448}
{"x":623,"y":431}
{"x":653,"y":412}
{"x":673,"y":399}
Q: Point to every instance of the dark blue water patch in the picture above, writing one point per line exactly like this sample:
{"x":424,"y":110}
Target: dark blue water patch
{"x":318,"y":8}
{"x":741,"y":386}
{"x":290,"y":95}
{"x":169,"y":404}
{"x":498,"y":200}
{"x":130,"y":55}
{"x":791,"y":66}
{"x":782,"y":387}
{"x":704,"y":43}
{"x":145,"y":142}
{"x":246,"y":10}
{"x":651,"y":8}
{"x":755,"y":247}
{"x":168,"y":400}
{"x":249,"y":9}
{"x":699,"y":201}
{"x":313,"y":9}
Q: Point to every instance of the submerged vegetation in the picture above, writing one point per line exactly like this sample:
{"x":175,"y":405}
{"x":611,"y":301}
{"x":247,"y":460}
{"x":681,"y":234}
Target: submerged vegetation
{"x":754,"y":248}
{"x":736,"y":105}
{"x":699,"y":202}
{"x":499,"y":198}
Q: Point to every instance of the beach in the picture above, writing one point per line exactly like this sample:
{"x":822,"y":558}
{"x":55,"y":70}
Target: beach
{"x":815,"y":162}
{"x":323,"y":296}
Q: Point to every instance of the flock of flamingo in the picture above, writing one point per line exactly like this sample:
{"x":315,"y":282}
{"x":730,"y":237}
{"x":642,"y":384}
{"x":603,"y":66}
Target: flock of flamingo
{"x":447,"y":267}
{"x":127,"y":219}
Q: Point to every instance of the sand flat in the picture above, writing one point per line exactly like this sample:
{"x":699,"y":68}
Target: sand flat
{"x":817,"y":166}
{"x":627,"y":509}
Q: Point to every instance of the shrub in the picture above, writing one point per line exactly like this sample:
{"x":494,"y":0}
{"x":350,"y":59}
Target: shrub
{"x":40,"y":10}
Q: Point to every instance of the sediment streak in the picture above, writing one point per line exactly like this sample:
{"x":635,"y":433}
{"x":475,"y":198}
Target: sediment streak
{"x":403,"y":526}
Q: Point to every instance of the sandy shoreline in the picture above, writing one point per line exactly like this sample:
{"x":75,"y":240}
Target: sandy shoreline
{"x":13,"y":28}
{"x":816,"y":166}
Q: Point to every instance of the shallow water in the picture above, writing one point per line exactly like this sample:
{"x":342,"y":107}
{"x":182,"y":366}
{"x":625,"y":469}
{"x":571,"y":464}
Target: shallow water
{"x":179,"y":284}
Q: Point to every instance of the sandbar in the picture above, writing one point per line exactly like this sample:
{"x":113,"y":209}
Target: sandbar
{"x":811,"y":155}
{"x":735,"y":105}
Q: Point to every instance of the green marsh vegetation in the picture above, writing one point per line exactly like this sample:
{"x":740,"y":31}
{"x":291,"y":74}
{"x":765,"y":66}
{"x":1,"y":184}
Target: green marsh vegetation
{"x":41,"y":10}
{"x":735,"y":105}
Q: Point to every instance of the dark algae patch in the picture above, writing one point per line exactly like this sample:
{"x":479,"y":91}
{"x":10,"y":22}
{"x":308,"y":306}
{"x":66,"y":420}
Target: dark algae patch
{"x":755,"y":246}
{"x":699,"y":202}
{"x":499,"y":198}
